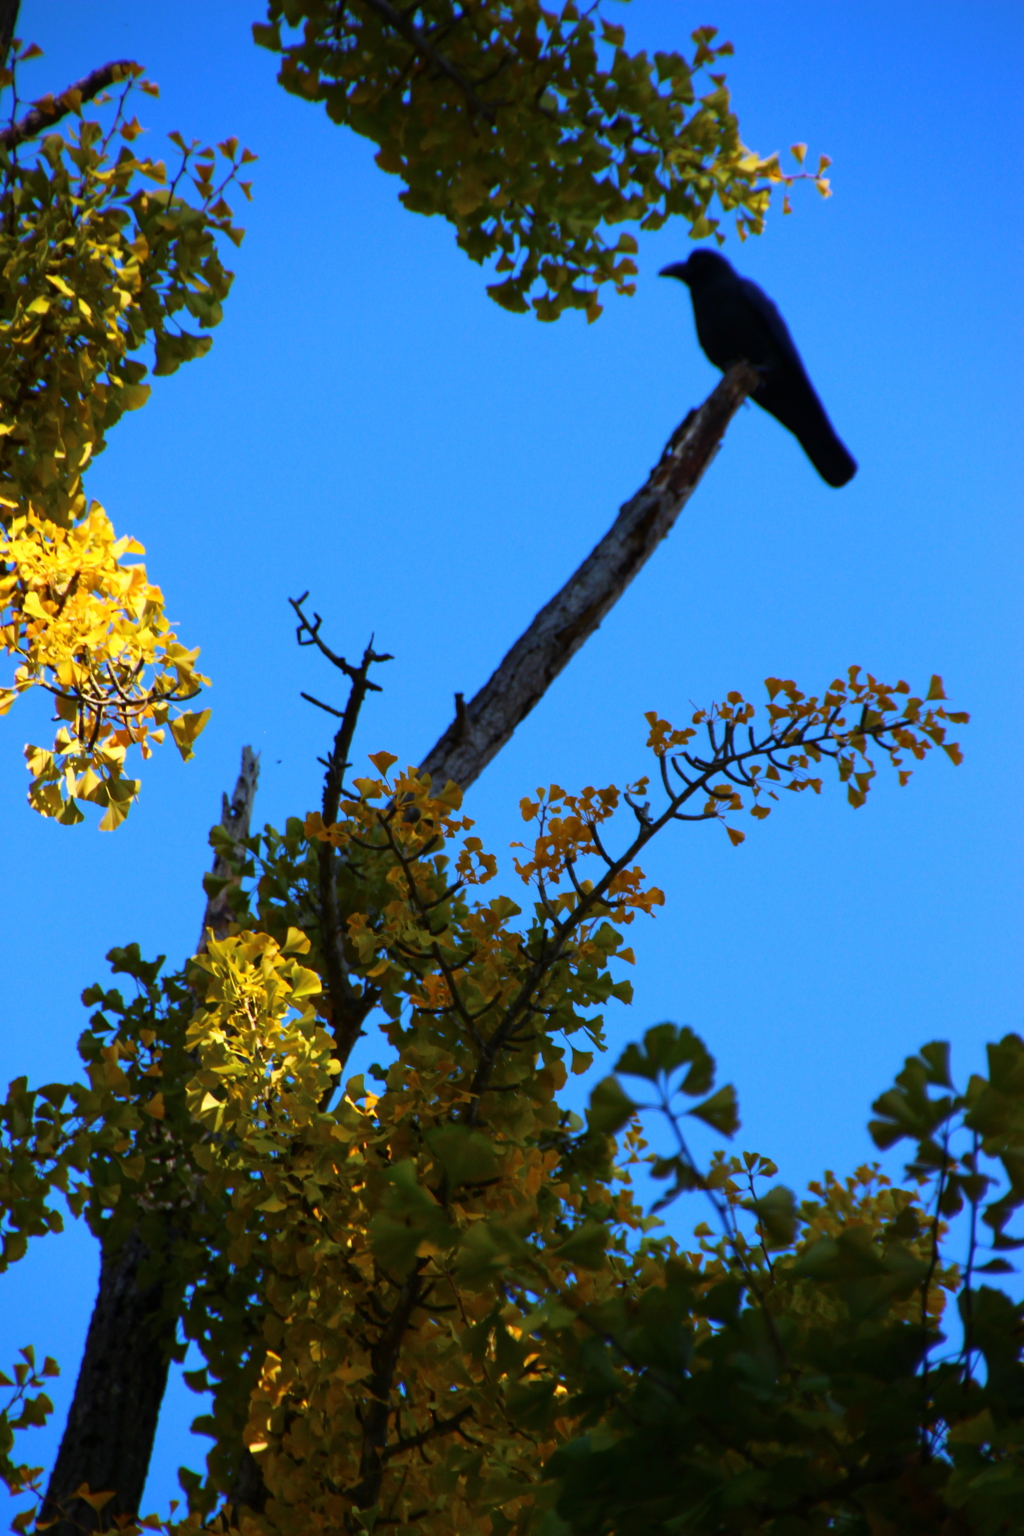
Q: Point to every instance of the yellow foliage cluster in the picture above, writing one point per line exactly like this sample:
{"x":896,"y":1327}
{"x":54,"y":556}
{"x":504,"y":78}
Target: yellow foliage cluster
{"x":408,"y":1248}
{"x":101,"y":257}
{"x":91,"y":631}
{"x":842,"y":724}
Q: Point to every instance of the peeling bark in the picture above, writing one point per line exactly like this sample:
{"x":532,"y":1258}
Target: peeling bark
{"x":483,"y":726}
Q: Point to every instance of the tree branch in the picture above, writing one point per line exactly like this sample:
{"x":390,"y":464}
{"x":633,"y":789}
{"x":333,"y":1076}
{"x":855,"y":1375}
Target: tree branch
{"x":412,"y":34}
{"x":50,"y":109}
{"x":235,"y":817}
{"x":347,"y":1008}
{"x":482,"y":727}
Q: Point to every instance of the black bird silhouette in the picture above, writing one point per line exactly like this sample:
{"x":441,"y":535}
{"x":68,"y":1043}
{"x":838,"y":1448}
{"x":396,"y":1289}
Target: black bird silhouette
{"x":737,"y":322}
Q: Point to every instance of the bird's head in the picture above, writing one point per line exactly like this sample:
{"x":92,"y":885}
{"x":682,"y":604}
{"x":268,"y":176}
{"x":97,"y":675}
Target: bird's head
{"x":703,"y":266}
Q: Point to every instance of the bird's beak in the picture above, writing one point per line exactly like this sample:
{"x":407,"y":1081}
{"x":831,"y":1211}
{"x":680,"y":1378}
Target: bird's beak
{"x":677,"y":269}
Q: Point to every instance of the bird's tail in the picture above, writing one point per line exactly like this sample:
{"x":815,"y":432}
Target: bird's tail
{"x":805,"y":416}
{"x":829,"y":454}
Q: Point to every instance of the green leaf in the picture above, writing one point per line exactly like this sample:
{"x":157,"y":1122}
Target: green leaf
{"x":586,"y":1246}
{"x":485,"y":1250}
{"x":721,"y":1111}
{"x":610,"y":1106}
{"x":467,"y":1156}
{"x":666,"y":1047}
{"x":776,"y":1212}
{"x":409,"y":1216}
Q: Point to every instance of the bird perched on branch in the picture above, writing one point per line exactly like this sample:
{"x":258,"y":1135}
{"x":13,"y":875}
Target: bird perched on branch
{"x":737,"y":322}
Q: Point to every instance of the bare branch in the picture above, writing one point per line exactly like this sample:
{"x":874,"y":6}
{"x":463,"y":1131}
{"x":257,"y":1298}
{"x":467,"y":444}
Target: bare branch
{"x":235,"y":817}
{"x":348,"y":1008}
{"x":483,"y":726}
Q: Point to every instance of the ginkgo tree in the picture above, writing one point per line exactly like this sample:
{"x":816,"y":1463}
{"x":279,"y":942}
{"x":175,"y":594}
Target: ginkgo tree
{"x":426,"y":1297}
{"x":419,"y":1303}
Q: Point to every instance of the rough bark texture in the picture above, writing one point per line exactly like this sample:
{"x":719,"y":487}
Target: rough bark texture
{"x":235,"y":817}
{"x":109,"y":1434}
{"x":111,"y":1426}
{"x":482,"y":727}
{"x":50,"y":109}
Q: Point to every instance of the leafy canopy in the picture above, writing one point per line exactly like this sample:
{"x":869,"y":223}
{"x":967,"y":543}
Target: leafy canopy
{"x":532,"y":130}
{"x":415,"y":1301}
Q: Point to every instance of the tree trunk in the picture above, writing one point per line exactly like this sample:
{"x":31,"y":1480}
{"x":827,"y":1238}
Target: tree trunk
{"x":8,"y":22}
{"x":111,"y":1426}
{"x":109,"y":1434}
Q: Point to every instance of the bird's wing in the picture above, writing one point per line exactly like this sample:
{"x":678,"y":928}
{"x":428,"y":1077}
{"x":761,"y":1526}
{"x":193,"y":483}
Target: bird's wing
{"x":775,"y":325}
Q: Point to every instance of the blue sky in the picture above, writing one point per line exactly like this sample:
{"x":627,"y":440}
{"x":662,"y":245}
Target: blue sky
{"x":370,"y":426}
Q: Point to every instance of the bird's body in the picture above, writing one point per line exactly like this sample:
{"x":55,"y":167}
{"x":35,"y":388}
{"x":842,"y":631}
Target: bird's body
{"x":737,"y":322}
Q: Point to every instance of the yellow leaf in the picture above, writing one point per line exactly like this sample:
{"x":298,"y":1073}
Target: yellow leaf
{"x":186,"y":728}
{"x":935,"y":688}
{"x":382,"y":760}
{"x":736,"y":837}
{"x":95,"y":1501}
{"x":348,"y":1372}
{"x":155,"y":1107}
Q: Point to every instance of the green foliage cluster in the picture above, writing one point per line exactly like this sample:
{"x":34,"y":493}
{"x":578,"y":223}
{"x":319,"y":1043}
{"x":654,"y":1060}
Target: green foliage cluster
{"x":101,"y":256}
{"x":815,"y":1395}
{"x":531,"y":130}
{"x":93,"y":1140}
{"x":24,"y":1411}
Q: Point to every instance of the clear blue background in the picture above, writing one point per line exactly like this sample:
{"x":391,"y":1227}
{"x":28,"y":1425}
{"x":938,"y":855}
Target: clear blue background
{"x":370,"y":426}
